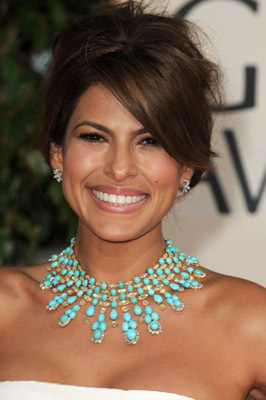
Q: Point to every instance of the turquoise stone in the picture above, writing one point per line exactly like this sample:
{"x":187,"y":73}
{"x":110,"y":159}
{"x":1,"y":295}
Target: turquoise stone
{"x":155,"y":316}
{"x":150,"y":271}
{"x":155,"y":281}
{"x":68,"y":311}
{"x":113,"y":292}
{"x":154,"y":325}
{"x":114,"y":304}
{"x":169,"y":260}
{"x":78,"y":283}
{"x":97,"y":334}
{"x":60,"y":300}
{"x":52,"y":303}
{"x":137,"y":309}
{"x":54,"y":264}
{"x":71,"y":299}
{"x":198,"y":272}
{"x":148,"y":310}
{"x":194,"y":283}
{"x":176,"y":270}
{"x":132,"y":324}
{"x":131,"y":334}
{"x":181,"y":281}
{"x":190,"y":269}
{"x":89,"y":292}
{"x":104,"y":297}
{"x":133,"y":300}
{"x":95,"y":325}
{"x":80,"y":293}
{"x":175,"y":259}
{"x":101,"y":317}
{"x":146,"y":281}
{"x":63,"y":318}
{"x":103,"y":326}
{"x":151,"y":292}
{"x":181,"y":258}
{"x":97,"y":289}
{"x":185,"y":275}
{"x":95,"y":301}
{"x":147,"y":318}
{"x":167,"y":294}
{"x":76,"y":274}
{"x":113,"y":314}
{"x":137,"y":279}
{"x":187,"y":284}
{"x":64,"y":271}
{"x":169,"y":241}
{"x":56,"y":298}
{"x":47,"y":283}
{"x":120,"y":285}
{"x":169,"y":300}
{"x":175,"y":297}
{"x":174,"y":286}
{"x":104,"y":285}
{"x":161,"y":261}
{"x":85,"y":282}
{"x":167,"y":271}
{"x":54,"y":257}
{"x":70,"y":262}
{"x":70,"y":283}
{"x":177,"y":303}
{"x":75,"y":263}
{"x":76,"y":307}
{"x":61,"y":259}
{"x":140,"y":290}
{"x":159,"y":271}
{"x":125,"y":326}
{"x":90,"y":311}
{"x":91,"y":281}
{"x":61,"y":287}
{"x":72,"y":315}
{"x":130,"y":288}
{"x":65,"y":260}
{"x":127,"y":316}
{"x":158,"y":298}
{"x":64,"y":295}
{"x":122,"y":296}
{"x":165,"y":282}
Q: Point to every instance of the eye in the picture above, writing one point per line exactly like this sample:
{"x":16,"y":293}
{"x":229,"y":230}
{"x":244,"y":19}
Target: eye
{"x":93,"y":137}
{"x":149,"y":141}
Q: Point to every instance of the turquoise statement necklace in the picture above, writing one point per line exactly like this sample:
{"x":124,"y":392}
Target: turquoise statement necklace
{"x":73,"y":288}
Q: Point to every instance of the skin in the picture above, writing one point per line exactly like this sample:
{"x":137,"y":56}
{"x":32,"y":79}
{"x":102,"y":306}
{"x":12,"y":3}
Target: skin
{"x":214,"y":349}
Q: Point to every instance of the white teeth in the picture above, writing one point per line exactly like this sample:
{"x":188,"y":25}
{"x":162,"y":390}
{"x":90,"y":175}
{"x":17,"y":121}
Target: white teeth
{"x":117,"y":200}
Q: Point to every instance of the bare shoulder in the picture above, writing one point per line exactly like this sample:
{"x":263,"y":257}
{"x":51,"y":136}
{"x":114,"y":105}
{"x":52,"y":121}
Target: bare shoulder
{"x":18,"y":286}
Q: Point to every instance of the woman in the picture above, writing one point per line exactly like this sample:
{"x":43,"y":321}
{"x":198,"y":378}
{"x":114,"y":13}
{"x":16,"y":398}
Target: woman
{"x":127,"y":123}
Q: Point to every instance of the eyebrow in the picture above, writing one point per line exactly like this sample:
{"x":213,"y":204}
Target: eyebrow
{"x":104,"y":128}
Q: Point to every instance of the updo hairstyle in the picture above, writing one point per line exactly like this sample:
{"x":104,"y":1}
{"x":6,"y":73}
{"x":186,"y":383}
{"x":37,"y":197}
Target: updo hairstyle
{"x":152,"y":63}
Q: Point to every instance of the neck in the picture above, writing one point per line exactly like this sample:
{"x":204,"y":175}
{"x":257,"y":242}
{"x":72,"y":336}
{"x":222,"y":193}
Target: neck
{"x":118,"y":261}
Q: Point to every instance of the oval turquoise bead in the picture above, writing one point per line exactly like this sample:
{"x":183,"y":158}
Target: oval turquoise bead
{"x":122,"y":296}
{"x":97,"y":289}
{"x":131,"y":334}
{"x":147,"y":318}
{"x":90,"y":311}
{"x":194,"y":283}
{"x":198,"y":272}
{"x":158,"y":298}
{"x":114,"y":304}
{"x":125,"y":326}
{"x":78,"y":283}
{"x":97,"y":334}
{"x":130,"y":288}
{"x":103,"y":326}
{"x":174,"y":286}
{"x":159,"y":271}
{"x":167,"y":271}
{"x":155,"y":281}
{"x":177,"y":303}
{"x":92,"y":281}
{"x":185,"y":275}
{"x":61,"y":287}
{"x":64,"y":295}
{"x":75,"y":263}
{"x":161,"y":261}
{"x":104,"y":285}
{"x":127,"y":316}
{"x":76,"y":274}
{"x":190,"y":269}
{"x":54,"y":264}
{"x":146,"y":281}
{"x":76,"y":307}
{"x":72,"y":314}
{"x":148,"y":310}
{"x":137,"y":309}
{"x":169,"y":260}
{"x":104,"y":297}
{"x":47,"y":283}
{"x":64,"y":318}
{"x":133,"y":324}
{"x":120,"y":285}
{"x":133,"y":300}
{"x":151,"y":292}
{"x":175,"y":259}
{"x":71,"y":299}
{"x":150,"y":271}
{"x":137,"y":279}
{"x":113,"y":292}
{"x":140,"y":290}
{"x":176,"y":270}
{"x":52,"y":303}
{"x":113,"y":314}
{"x":85,"y":282}
{"x":68,"y":311}
{"x":70,"y":282}
{"x":64,"y":271}
{"x":80,"y":293}
{"x":155,"y":316}
{"x":154,"y":325}
{"x":95,"y":301}
{"x":101,"y":317}
{"x":95,"y":325}
{"x":89,"y":292}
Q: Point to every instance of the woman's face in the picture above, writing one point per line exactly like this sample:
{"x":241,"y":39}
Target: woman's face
{"x":118,"y":181}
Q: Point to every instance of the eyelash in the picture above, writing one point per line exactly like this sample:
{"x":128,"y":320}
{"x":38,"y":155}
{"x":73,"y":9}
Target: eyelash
{"x":95,"y":137}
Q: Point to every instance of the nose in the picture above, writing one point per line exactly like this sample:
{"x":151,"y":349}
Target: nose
{"x":120,"y":163}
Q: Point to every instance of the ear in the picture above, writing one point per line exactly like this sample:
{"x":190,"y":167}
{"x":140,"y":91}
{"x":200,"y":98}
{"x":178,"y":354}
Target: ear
{"x":187,"y":173}
{"x":56,"y":156}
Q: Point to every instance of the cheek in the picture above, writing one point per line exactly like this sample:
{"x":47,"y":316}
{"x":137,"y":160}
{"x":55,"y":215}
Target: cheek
{"x":78,"y":163}
{"x":166,"y":172}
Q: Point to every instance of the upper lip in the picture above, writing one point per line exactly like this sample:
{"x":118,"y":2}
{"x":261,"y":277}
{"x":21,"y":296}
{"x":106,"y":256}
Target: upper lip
{"x":117,"y":190}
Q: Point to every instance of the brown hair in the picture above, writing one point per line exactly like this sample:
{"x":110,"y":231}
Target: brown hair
{"x":152,"y":63}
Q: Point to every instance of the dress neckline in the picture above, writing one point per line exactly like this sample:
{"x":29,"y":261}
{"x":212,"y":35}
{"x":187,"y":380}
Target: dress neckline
{"x":95,"y":392}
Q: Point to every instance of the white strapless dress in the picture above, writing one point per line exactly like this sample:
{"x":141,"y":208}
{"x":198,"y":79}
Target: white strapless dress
{"x":32,"y":390}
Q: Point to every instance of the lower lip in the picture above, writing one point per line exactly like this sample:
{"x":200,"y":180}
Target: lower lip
{"x":118,"y":209}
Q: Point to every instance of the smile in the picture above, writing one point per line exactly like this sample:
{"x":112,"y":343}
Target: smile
{"x":117,"y":199}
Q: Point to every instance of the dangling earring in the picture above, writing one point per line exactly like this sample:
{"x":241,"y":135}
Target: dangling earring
{"x":57,"y":174}
{"x":185,"y":188}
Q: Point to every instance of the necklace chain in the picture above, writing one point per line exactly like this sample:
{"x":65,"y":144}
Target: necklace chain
{"x":174,"y":272}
